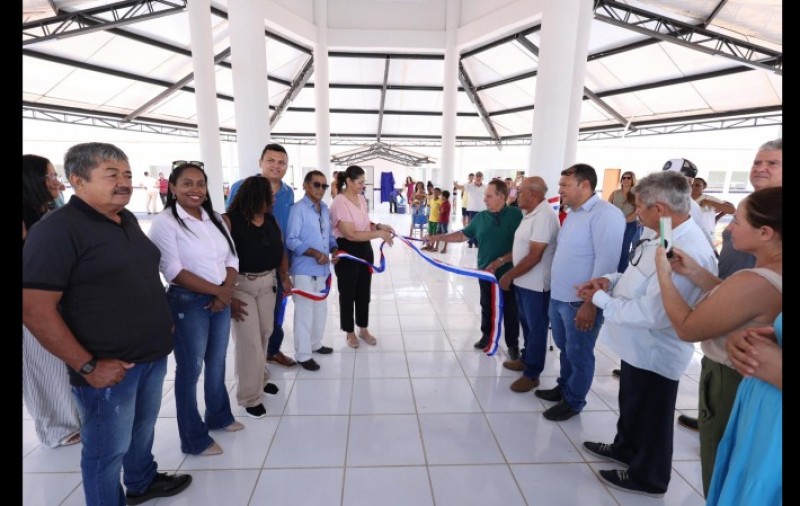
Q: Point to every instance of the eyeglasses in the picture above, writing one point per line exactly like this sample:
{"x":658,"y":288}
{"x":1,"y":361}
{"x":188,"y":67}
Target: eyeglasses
{"x":52,"y":177}
{"x":182,"y":163}
{"x":626,"y":177}
{"x":318,"y":185}
{"x":636,"y":252}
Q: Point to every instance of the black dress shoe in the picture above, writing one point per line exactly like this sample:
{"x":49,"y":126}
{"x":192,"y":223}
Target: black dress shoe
{"x":481,"y":343}
{"x":163,"y":485}
{"x":271,"y":388}
{"x":324,"y":350}
{"x":309,"y":365}
{"x":513,"y":353}
{"x":560,"y":412}
{"x":552,"y":395}
{"x":688,"y":422}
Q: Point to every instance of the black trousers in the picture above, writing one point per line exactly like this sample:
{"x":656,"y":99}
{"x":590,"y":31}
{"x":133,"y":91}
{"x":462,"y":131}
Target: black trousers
{"x":354,"y":281}
{"x":510,"y":314}
{"x":646,"y":424}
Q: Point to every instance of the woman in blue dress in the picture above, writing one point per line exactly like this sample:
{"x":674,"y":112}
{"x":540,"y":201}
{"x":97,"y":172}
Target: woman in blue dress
{"x":749,"y":466}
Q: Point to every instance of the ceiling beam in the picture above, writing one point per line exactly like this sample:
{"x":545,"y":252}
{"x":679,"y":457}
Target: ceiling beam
{"x":383,"y":99}
{"x":299,"y":81}
{"x":531,"y":47}
{"x":686,"y":35}
{"x":68,"y":24}
{"x":172,"y":89}
{"x":476,"y":101}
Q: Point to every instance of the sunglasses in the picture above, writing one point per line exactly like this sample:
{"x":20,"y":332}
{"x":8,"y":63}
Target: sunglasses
{"x":626,"y":177}
{"x":182,"y":163}
{"x":318,"y":185}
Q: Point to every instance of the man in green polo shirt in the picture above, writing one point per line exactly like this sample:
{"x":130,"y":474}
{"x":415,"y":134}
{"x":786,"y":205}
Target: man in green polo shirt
{"x":494,"y":229}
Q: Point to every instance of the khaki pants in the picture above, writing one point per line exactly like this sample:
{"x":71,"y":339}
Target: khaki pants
{"x":251,"y":336}
{"x":718,"y":386}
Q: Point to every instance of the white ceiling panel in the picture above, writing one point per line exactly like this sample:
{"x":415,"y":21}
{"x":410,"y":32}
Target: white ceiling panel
{"x":414,"y":100}
{"x":135,"y":96}
{"x":471,"y":127}
{"x":628,"y":105}
{"x":514,"y":124}
{"x":303,"y":99}
{"x":355,"y":99}
{"x":738,"y":91}
{"x":507,"y":96}
{"x":495,"y":63}
{"x":181,"y":104}
{"x":652,"y":64}
{"x":420,"y":125}
{"x":591,"y":112}
{"x":691,"y":61}
{"x":89,"y":86}
{"x":283,"y":61}
{"x":295,"y":122}
{"x":416,"y":72}
{"x":355,"y":70}
{"x":353,"y":123}
{"x":40,"y":76}
{"x":680,"y":98}
{"x":80,"y":47}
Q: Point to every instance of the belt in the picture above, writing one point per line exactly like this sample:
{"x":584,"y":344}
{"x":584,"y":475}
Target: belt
{"x":255,"y":275}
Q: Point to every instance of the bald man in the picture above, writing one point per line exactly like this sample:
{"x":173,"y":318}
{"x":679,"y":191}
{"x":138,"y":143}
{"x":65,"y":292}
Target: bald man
{"x":532,"y":257}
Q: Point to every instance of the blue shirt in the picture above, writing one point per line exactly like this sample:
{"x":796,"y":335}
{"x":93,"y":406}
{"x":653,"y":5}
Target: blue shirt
{"x":280,"y":207}
{"x":308,"y":229}
{"x":587,"y":247}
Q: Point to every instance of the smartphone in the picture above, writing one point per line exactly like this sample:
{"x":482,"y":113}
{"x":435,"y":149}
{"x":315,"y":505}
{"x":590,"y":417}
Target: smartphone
{"x":665,"y":234}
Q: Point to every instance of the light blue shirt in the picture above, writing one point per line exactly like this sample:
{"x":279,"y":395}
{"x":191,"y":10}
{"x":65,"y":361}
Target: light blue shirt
{"x":587,"y":247}
{"x":280,"y":207}
{"x":308,"y":229}
{"x":636,"y":325}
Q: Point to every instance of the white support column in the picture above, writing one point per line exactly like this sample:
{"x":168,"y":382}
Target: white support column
{"x":450,"y":95}
{"x":206,"y":97}
{"x":559,"y":88}
{"x":322,"y":110}
{"x":250,"y":88}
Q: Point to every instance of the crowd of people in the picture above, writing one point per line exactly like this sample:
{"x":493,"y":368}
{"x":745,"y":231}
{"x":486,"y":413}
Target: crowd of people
{"x":585,"y":276}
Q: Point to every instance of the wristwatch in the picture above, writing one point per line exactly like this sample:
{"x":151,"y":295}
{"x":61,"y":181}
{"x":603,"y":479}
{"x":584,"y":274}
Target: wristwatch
{"x":89,"y":366}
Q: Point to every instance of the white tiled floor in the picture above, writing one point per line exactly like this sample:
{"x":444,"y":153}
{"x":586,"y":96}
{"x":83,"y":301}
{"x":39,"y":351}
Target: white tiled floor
{"x":420,"y":419}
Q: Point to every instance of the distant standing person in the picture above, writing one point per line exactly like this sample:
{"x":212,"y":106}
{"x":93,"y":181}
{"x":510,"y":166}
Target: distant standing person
{"x":114,"y":348}
{"x":475,"y":202}
{"x":587,"y":247}
{"x":152,"y":187}
{"x":444,"y":217}
{"x":625,"y":200}
{"x":163,"y":189}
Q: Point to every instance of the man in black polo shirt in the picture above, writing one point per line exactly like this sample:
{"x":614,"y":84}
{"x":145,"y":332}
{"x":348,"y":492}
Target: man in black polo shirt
{"x":92,"y":296}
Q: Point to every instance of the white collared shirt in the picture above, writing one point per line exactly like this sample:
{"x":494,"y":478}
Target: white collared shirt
{"x":539,"y":225}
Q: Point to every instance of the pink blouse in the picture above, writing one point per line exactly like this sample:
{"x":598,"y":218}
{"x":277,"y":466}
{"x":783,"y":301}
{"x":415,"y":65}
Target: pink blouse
{"x":344,"y":210}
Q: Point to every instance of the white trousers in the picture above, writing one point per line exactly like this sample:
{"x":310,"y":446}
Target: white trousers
{"x":309,"y":316}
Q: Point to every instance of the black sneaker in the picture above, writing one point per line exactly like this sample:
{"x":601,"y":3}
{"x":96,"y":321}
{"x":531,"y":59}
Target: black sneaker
{"x":604,"y":451}
{"x":513,"y":353}
{"x":271,"y":388}
{"x":620,"y":479}
{"x":481,"y":343}
{"x":688,"y":422}
{"x":258,"y":411}
{"x":552,"y":395}
{"x":324,"y":350}
{"x":560,"y":412}
{"x":163,"y":485}
{"x":310,"y":365}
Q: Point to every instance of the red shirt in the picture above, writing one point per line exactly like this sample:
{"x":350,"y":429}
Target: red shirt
{"x":444,"y":212}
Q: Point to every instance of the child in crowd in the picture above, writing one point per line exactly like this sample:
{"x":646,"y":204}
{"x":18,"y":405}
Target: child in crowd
{"x":444,"y":218}
{"x":435,"y":203}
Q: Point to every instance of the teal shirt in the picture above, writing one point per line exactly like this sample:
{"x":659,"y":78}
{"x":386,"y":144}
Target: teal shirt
{"x":495,"y":235}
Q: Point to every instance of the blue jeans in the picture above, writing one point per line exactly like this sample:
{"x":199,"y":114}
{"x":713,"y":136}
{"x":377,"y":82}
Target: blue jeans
{"x":117,"y":431}
{"x":201,"y":337}
{"x":533,"y":307}
{"x":276,"y":338}
{"x":633,"y":231}
{"x":577,"y":351}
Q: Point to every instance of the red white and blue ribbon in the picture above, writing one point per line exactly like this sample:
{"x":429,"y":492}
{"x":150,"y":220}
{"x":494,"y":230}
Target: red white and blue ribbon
{"x":316,"y":296}
{"x":496,"y":295}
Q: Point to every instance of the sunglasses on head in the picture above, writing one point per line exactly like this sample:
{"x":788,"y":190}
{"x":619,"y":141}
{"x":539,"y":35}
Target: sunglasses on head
{"x":318,"y":185}
{"x":182,"y":163}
